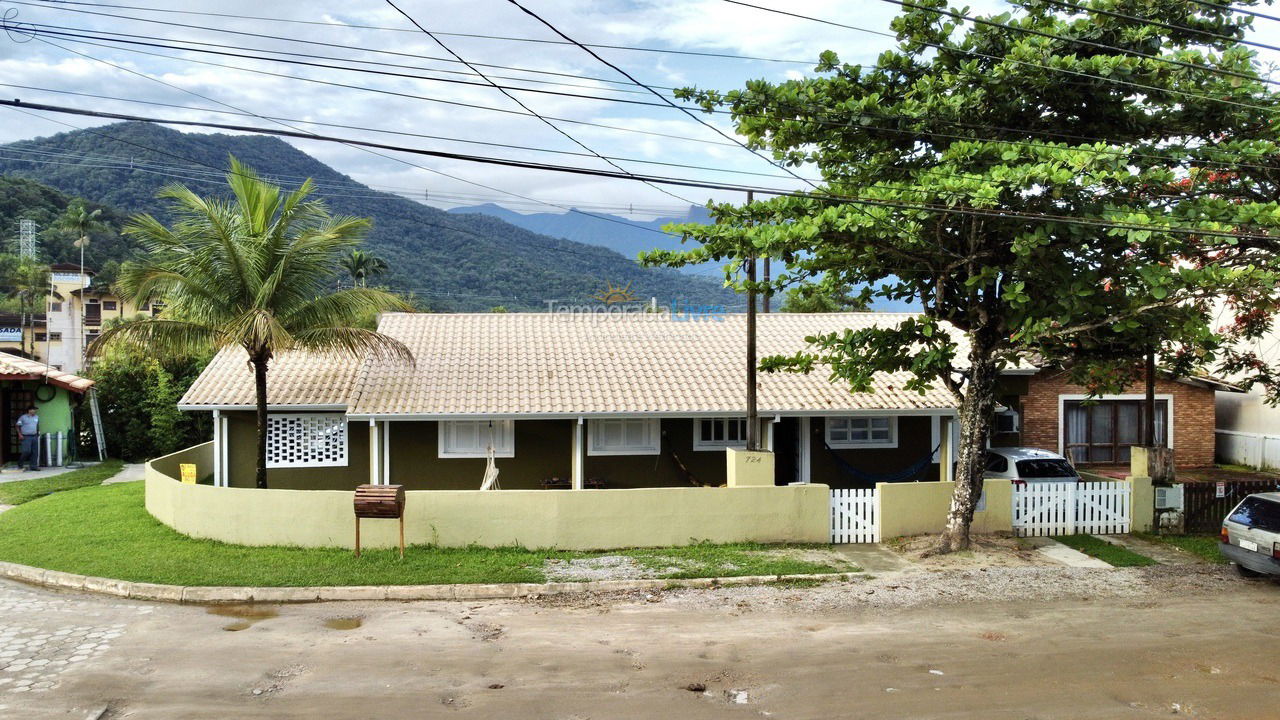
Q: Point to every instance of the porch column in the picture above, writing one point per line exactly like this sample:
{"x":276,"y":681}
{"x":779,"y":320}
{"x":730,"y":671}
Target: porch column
{"x":375,"y":453}
{"x":579,"y":460}
{"x":222,"y":452}
{"x":218,"y":439}
{"x":805,"y":446}
{"x":946,"y":449}
{"x":386,"y":452}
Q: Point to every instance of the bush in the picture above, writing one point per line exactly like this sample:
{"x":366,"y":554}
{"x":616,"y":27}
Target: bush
{"x":138,"y":396}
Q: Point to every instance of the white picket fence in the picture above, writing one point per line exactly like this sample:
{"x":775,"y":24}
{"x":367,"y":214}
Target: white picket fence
{"x":1041,"y":509}
{"x":853,"y":516}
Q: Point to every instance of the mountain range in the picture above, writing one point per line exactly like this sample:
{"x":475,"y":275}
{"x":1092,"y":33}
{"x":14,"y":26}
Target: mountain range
{"x":450,"y":261}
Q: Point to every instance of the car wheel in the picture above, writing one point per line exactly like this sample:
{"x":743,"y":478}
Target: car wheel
{"x":1246,"y":573}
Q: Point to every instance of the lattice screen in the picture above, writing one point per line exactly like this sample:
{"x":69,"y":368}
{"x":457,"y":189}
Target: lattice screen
{"x":306,"y":440}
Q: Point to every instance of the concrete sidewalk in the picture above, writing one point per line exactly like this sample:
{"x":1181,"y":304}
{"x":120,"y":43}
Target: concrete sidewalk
{"x":13,"y":474}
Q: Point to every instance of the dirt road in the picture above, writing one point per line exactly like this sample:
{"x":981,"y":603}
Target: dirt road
{"x":786,"y":652}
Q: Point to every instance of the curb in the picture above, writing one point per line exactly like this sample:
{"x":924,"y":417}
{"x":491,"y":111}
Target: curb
{"x":209,"y":595}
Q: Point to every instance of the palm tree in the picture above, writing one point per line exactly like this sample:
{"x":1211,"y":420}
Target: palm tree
{"x":362,"y":265}
{"x":250,"y":274}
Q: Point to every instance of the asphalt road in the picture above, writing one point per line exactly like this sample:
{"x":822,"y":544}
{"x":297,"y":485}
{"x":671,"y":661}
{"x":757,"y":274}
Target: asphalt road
{"x":1198,"y":655}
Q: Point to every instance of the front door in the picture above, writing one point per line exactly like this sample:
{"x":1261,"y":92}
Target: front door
{"x":1104,"y":431}
{"x":14,"y":401}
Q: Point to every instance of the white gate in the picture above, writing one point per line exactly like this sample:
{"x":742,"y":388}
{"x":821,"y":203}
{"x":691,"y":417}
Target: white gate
{"x":853,"y":516}
{"x":1042,"y":509}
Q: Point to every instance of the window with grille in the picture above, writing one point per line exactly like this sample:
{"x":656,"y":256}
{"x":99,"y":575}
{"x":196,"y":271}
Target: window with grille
{"x":306,"y":440}
{"x":472,"y":438}
{"x":719,"y":433}
{"x":624,"y":436}
{"x":862,"y":432}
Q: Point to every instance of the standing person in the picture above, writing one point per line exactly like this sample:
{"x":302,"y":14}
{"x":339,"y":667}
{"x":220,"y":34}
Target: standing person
{"x":29,"y":433}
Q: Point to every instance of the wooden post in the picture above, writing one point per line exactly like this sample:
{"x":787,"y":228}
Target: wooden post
{"x":357,"y":536}
{"x":1149,"y":406}
{"x":401,"y":536}
{"x":753,"y":415}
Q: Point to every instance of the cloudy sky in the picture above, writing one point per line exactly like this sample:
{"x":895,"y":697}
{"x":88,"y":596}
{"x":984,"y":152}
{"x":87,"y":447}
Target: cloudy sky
{"x":171,"y":76}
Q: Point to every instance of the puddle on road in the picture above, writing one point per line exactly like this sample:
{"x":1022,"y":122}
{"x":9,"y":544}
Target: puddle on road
{"x":343,"y":623}
{"x":249,"y":615}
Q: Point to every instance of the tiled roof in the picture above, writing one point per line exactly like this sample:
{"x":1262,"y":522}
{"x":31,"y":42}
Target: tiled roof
{"x":15,"y":367}
{"x":538,"y":364}
{"x":293,"y":378}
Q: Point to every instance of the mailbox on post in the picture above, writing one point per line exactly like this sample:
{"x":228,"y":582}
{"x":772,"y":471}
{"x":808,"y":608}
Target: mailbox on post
{"x":380,"y":501}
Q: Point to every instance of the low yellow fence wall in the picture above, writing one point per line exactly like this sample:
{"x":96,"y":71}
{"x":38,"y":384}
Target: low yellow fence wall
{"x":565,"y":519}
{"x":921,"y":508}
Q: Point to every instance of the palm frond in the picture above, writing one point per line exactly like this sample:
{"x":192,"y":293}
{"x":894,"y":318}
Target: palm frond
{"x":354,"y":342}
{"x":167,"y":337}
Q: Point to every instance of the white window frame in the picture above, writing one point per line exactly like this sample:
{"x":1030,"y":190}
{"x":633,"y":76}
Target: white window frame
{"x":504,"y":438}
{"x":892,"y":442}
{"x":651,"y":446}
{"x":337,"y":420}
{"x":700,"y":444}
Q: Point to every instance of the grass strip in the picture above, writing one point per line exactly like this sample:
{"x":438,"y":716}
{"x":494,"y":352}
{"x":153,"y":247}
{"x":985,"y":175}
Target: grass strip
{"x":1205,"y":546}
{"x":1113,"y":555}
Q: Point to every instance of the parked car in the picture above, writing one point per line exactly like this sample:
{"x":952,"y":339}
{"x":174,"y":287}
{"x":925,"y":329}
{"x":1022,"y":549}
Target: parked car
{"x":1251,"y":535}
{"x":1028,"y":465}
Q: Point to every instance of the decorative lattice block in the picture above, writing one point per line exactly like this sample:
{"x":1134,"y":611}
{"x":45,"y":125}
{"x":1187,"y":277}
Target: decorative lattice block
{"x":306,"y":440}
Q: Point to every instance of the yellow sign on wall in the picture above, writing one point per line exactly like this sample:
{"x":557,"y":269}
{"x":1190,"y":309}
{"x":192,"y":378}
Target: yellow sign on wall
{"x":188,"y":473}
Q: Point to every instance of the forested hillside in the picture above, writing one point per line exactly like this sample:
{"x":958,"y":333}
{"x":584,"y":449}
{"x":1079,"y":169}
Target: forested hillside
{"x":450,"y":262}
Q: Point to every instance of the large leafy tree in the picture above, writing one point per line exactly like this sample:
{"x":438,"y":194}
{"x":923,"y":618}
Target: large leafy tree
{"x":1035,"y":182}
{"x":250,"y":273}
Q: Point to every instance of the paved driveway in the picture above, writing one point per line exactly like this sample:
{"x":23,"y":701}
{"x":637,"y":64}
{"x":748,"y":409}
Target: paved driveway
{"x":759,"y":652}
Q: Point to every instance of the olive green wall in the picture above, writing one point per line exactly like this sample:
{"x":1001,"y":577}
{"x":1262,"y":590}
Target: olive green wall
{"x":543,"y":449}
{"x":242,"y":431}
{"x":915,"y":436}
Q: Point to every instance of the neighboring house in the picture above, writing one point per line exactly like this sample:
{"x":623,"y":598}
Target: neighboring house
{"x":626,"y":401}
{"x":1051,"y":413}
{"x":18,"y":332}
{"x":75,"y":312}
{"x":1248,"y":428}
{"x":25,"y":382}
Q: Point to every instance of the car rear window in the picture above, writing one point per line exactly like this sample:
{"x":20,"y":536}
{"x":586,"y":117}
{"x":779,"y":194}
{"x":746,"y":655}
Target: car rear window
{"x":1045,"y":468}
{"x":1257,"y":513}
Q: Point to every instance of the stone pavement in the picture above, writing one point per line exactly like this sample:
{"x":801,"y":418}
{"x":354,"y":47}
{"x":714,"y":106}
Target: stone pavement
{"x":45,"y":636}
{"x":128,"y":473}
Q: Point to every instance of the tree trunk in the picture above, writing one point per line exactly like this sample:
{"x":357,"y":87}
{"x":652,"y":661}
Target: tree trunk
{"x":259,"y":361}
{"x":976,"y":412}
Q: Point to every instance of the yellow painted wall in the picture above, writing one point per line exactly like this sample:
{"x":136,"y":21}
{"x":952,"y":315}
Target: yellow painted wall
{"x":567,"y":519}
{"x":921,"y":508}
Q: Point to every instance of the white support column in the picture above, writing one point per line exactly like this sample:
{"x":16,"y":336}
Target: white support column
{"x":375,"y":453}
{"x":579,"y":465}
{"x":768,"y":433}
{"x":947,"y":450}
{"x":805,"y":446}
{"x":386,"y":452}
{"x":225,"y":451}
{"x":218,"y":440}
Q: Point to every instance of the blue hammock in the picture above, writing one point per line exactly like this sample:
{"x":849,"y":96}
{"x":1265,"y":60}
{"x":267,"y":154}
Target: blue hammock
{"x":869,"y":480}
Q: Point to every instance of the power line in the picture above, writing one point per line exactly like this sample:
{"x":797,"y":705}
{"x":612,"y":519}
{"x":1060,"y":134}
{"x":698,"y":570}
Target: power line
{"x":345,"y":26}
{"x":1084,"y":9}
{"x":522,"y":104}
{"x":979,"y":212}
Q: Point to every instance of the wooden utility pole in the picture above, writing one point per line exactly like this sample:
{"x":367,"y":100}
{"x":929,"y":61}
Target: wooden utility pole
{"x":753,"y":415}
{"x":1149,"y":405}
{"x":768,"y":294}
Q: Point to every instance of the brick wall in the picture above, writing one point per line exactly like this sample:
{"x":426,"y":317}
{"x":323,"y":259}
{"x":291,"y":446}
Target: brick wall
{"x":1193,"y":415}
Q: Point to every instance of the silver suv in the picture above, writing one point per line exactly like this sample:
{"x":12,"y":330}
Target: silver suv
{"x":1251,"y":535}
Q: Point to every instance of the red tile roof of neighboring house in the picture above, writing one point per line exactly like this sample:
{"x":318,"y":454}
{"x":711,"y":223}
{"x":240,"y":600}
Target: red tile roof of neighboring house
{"x":13,"y":367}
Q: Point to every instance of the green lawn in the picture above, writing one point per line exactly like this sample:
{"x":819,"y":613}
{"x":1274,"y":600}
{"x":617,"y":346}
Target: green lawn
{"x":105,"y":531}
{"x":1206,"y":546}
{"x":22,"y":491}
{"x":1111,"y":554}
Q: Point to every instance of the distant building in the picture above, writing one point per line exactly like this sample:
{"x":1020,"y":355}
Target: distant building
{"x":75,"y":312}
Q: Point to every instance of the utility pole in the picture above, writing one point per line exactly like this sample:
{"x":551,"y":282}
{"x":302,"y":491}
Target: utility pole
{"x":768,"y":294}
{"x":753,"y":414}
{"x":1149,"y":403}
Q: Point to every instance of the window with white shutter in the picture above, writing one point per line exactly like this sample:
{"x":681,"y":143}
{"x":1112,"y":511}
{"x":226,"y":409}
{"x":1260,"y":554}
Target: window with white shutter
{"x":624,"y":436}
